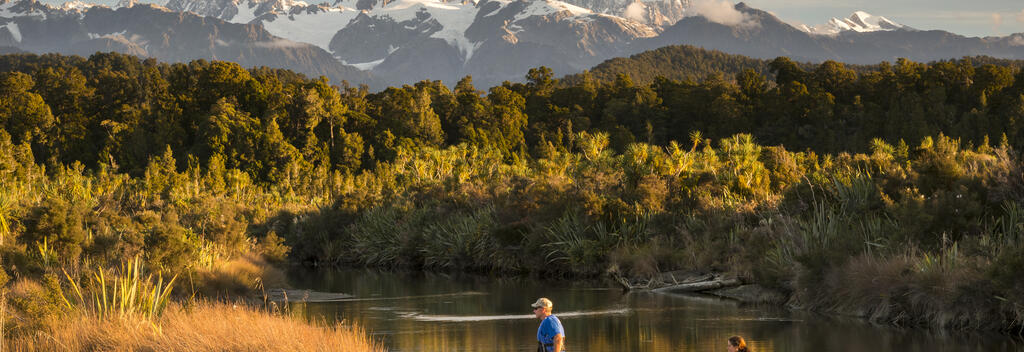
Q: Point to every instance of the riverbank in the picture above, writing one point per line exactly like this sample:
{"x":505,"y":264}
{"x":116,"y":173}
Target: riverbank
{"x":129,"y":309}
{"x":929,"y":235}
{"x":204,"y":326}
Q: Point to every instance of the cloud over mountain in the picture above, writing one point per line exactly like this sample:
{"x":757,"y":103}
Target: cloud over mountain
{"x":722,"y":12}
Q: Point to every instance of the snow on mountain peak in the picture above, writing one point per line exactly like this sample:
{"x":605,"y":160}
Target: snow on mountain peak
{"x":859,"y":21}
{"x":75,"y":5}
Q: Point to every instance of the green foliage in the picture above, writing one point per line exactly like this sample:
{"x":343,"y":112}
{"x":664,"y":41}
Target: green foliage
{"x":788,"y":174}
{"x":23,"y":113}
{"x":386,"y":236}
{"x":463,"y":241}
{"x":273,"y":249}
{"x":128,"y":291}
{"x":167,"y":244}
{"x":57,"y":224}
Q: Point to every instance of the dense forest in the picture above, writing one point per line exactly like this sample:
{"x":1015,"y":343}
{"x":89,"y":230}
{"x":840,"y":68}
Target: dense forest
{"x":894,"y":193}
{"x":687,"y":62}
{"x":117,"y":109}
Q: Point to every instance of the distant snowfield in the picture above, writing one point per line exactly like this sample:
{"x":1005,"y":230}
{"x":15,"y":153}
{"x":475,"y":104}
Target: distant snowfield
{"x":299,"y":21}
{"x":455,"y":17}
{"x":859,"y":21}
{"x":316,"y":29}
{"x":366,"y":66}
{"x":13,"y":29}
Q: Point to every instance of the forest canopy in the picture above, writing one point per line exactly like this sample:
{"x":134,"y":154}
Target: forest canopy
{"x":121,"y":110}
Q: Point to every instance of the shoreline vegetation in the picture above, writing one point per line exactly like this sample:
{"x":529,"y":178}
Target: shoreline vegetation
{"x":198,"y":327}
{"x":877,"y":194}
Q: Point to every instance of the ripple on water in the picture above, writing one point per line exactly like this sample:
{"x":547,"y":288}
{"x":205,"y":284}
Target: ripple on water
{"x":464,"y":318}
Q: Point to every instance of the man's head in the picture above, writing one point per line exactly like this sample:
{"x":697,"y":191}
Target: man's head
{"x":542,"y":307}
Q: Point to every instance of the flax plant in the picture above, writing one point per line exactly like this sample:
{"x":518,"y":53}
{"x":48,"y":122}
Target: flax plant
{"x":6,"y":203}
{"x":128,"y":292}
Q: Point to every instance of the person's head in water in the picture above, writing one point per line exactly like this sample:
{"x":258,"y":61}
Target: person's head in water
{"x":737,"y":344}
{"x":542,"y":308}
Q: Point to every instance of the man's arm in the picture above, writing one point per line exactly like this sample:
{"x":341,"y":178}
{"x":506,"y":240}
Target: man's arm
{"x":559,"y":343}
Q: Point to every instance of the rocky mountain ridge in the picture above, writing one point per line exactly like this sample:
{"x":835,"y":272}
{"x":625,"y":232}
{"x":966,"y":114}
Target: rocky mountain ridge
{"x":152,"y":31}
{"x":402,"y":41}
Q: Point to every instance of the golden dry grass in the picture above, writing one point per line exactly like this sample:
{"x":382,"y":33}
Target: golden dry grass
{"x":239,"y":276}
{"x":204,"y":327}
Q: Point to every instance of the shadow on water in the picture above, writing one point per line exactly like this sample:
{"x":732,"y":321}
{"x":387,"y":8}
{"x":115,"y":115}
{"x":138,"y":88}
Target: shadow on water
{"x":422,"y":311}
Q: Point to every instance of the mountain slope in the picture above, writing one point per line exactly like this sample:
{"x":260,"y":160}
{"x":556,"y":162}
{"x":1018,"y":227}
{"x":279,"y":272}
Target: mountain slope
{"x":409,"y":40}
{"x":760,"y":35}
{"x":763,"y":35}
{"x":151,"y":31}
{"x":402,"y":41}
{"x":675,"y":62}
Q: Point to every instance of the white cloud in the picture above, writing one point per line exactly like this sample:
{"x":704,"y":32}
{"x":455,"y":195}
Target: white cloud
{"x":1020,"y":16}
{"x":1017,"y":40}
{"x":636,"y":11}
{"x":721,"y":11}
{"x":997,"y":20}
{"x":279,"y":43}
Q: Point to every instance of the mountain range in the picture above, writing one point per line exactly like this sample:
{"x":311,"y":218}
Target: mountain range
{"x":381,"y":42}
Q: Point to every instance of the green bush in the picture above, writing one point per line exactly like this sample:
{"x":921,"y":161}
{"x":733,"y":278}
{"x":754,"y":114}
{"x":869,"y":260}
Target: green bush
{"x":57,"y":224}
{"x":273,"y":248}
{"x":168,"y":246}
{"x":462,"y":241}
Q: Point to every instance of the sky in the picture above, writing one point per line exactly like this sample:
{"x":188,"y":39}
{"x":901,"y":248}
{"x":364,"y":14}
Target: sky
{"x":976,"y":18}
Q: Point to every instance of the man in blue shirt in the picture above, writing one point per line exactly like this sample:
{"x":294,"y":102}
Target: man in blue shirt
{"x":550,"y":334}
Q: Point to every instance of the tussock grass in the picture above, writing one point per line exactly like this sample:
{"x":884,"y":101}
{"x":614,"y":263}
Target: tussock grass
{"x":239,"y":276}
{"x":202,"y":327}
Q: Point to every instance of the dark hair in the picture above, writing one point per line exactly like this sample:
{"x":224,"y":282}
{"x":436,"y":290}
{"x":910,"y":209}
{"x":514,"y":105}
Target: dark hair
{"x":739,"y":343}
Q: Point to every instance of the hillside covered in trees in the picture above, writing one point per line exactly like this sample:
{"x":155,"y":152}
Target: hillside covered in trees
{"x":894,"y":193}
{"x":690,"y":63}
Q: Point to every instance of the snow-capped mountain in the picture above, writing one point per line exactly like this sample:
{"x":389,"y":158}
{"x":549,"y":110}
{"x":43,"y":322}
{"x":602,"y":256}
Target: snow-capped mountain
{"x":392,"y":42}
{"x":404,"y":40}
{"x":757,"y":33}
{"x":859,"y":21}
{"x":493,"y":41}
{"x":652,"y":12}
{"x":152,"y":31}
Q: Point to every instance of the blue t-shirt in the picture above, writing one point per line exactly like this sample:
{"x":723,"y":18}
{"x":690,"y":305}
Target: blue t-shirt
{"x":550,"y":327}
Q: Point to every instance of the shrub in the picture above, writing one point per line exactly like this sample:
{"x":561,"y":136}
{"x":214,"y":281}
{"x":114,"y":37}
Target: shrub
{"x":273,"y":248}
{"x":167,"y":245}
{"x":57,"y":224}
{"x":462,"y":241}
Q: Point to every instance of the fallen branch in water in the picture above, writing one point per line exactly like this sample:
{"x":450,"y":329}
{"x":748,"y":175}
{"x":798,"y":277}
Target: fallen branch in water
{"x":712,"y":284}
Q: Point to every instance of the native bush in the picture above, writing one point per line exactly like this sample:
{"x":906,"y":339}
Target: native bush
{"x":58,"y":225}
{"x":387,"y":236}
{"x":273,"y":248}
{"x":168,"y":246}
{"x":462,"y":241}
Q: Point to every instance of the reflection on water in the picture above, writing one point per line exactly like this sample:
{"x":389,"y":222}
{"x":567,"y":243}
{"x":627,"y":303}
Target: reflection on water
{"x":432,"y":312}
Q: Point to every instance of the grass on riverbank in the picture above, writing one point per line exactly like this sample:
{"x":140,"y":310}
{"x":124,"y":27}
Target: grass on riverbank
{"x":202,"y":327}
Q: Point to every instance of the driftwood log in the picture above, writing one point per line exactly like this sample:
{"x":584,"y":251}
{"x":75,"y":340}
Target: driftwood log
{"x":712,"y":284}
{"x":678,"y":282}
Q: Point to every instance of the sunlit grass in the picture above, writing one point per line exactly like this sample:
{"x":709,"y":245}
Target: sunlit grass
{"x":202,"y":327}
{"x":127,"y":291}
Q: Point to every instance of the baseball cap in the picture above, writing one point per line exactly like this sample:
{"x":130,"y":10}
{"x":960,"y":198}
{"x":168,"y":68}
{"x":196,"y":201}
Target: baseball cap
{"x":542,"y":302}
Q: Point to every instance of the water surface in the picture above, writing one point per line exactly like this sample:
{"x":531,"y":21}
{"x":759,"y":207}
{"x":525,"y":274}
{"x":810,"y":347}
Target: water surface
{"x":436,"y":312}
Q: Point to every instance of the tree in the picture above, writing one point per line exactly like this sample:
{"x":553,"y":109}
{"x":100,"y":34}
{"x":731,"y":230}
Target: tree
{"x":23,"y":114}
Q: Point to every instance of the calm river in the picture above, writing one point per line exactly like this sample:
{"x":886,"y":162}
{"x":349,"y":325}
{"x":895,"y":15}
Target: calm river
{"x":434,"y":312}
